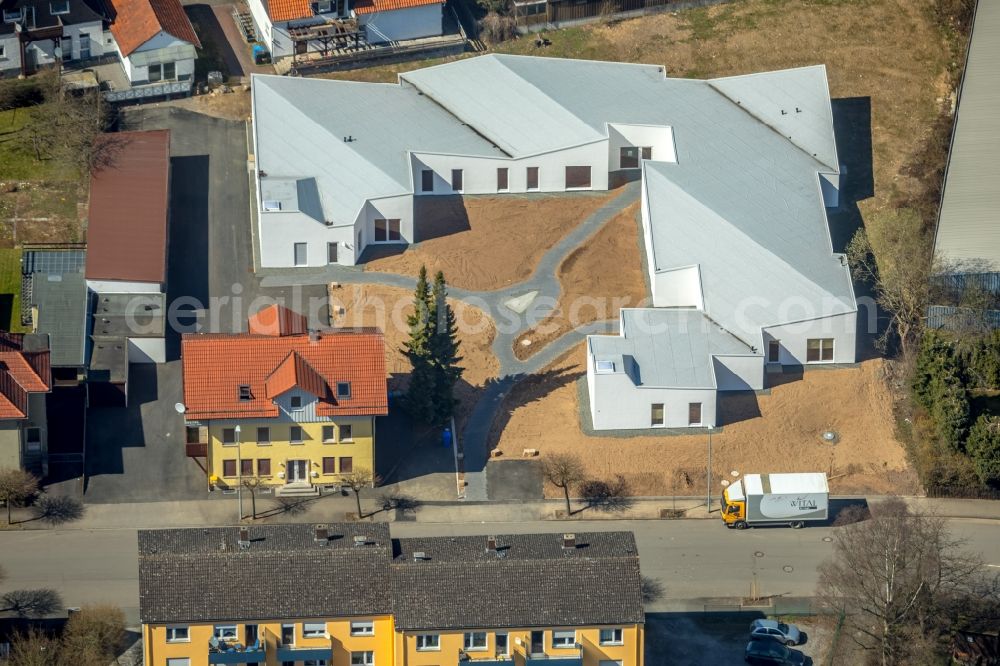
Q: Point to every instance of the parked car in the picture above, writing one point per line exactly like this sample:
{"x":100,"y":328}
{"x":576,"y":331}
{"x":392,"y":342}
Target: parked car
{"x":788,"y":634}
{"x":772,"y":653}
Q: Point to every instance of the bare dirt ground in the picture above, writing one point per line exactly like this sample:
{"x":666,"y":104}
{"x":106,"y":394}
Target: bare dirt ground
{"x":590,"y":290}
{"x":233,"y":105}
{"x":484,"y":243}
{"x":780,"y":432}
{"x":388,"y":308}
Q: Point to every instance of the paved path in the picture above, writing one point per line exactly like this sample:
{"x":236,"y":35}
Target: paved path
{"x":696,"y":562}
{"x":509,"y":323}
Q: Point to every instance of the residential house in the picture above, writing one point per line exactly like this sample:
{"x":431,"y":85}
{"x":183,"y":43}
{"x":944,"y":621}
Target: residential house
{"x":25,"y":379}
{"x":342,"y":594}
{"x":293,"y":407}
{"x":154,"y":39}
{"x":736,"y":175}
{"x":38,"y":33}
{"x":126,"y":267}
{"x":289,"y":27}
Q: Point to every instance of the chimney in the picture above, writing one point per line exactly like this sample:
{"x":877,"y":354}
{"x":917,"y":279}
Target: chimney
{"x":569,"y":541}
{"x":360,"y":541}
{"x":321,"y":534}
{"x":244,"y":537}
{"x":491,"y":543}
{"x":420,"y":556}
{"x":313,"y":335}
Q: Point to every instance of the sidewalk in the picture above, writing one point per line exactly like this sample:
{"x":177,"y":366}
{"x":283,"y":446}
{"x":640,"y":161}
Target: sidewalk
{"x":335,"y":508}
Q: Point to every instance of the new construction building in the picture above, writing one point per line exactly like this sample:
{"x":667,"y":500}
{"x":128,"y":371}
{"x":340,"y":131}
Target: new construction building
{"x":736,"y":173}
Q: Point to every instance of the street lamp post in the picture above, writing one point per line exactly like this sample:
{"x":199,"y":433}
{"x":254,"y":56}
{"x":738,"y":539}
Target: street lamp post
{"x":239,"y":473}
{"x":708,"y":474}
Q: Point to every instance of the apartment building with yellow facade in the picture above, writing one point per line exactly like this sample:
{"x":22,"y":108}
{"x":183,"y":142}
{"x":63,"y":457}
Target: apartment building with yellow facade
{"x":292,"y":407}
{"x":350,"y":595}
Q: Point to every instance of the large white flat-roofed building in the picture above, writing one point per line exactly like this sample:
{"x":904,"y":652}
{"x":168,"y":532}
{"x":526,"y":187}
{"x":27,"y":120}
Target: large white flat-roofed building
{"x":737,"y":174}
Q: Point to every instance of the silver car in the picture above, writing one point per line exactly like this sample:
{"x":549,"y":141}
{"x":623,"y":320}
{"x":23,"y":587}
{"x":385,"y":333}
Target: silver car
{"x":788,"y":634}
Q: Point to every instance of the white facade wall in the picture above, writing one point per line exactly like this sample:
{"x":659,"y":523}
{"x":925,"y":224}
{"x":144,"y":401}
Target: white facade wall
{"x":401,"y":24}
{"x":739,"y":373}
{"x":387,"y":208}
{"x":678,"y":288}
{"x":147,"y":350}
{"x":138,"y":74}
{"x":618,"y":404}
{"x":123,"y":287}
{"x":830,"y":186}
{"x":792,"y":338}
{"x":659,"y":138}
{"x":479,"y":174}
{"x":93,"y":33}
{"x":10,"y":61}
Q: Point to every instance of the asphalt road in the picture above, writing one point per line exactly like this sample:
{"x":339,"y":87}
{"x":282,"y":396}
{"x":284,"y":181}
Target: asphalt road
{"x":696,"y":562}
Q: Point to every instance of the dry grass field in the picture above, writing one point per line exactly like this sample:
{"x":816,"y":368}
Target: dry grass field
{"x":596,"y":280}
{"x":484,"y":243}
{"x":388,"y":308}
{"x":780,"y":432}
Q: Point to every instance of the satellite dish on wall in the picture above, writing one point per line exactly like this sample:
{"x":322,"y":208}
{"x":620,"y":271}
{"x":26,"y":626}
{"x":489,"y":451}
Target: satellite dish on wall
{"x":180,"y":408}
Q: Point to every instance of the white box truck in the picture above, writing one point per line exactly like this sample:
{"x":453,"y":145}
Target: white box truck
{"x":776,"y":499}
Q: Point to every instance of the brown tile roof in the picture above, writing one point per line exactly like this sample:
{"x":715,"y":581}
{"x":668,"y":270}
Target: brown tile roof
{"x":135,"y":22}
{"x":288,"y":10}
{"x":24,"y":369}
{"x":277,"y":320}
{"x":216,"y":365}
{"x":374,"y":6}
{"x":127,"y":227}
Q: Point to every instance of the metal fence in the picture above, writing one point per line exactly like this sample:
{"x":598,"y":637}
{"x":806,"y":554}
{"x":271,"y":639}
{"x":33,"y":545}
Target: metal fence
{"x":962,"y":319}
{"x":165,"y":89}
{"x":989,"y":282}
{"x":533,"y":16}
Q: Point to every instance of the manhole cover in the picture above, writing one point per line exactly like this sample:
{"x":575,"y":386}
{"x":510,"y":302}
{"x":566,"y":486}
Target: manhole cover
{"x":759,"y":553}
{"x":828,"y":539}
{"x":788,"y":568}
{"x":526,"y":342}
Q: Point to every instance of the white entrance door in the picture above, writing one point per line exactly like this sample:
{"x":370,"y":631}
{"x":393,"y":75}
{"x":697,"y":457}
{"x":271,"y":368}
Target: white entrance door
{"x":297,"y":471}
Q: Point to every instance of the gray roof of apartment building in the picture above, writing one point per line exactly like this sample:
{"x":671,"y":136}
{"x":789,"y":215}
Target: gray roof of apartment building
{"x":968,"y":229}
{"x":530,"y":580}
{"x":662,"y":347}
{"x":61,"y":300}
{"x":301,"y":126}
{"x":204,"y":574}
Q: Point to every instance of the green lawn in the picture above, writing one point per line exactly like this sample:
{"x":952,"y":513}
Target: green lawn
{"x":10,"y":290}
{"x":17,"y":156}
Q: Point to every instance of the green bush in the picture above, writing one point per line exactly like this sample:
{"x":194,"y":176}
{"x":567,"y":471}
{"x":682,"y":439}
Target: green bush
{"x":983,"y":447}
{"x":17,"y":93}
{"x":939,"y":387}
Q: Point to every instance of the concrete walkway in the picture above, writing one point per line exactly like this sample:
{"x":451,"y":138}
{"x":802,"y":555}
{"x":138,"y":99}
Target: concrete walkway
{"x":334,"y":508}
{"x":474,"y":439}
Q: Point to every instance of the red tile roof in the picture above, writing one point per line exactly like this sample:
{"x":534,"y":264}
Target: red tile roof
{"x":216,"y":365}
{"x":127,"y":223}
{"x":374,"y":6}
{"x":22,"y":372}
{"x":288,"y":10}
{"x":277,"y":320}
{"x":135,"y":22}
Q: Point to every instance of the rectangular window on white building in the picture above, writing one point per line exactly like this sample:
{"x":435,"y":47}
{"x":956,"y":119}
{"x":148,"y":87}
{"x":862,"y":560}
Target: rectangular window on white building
{"x":300,"y":254}
{"x":819,"y":350}
{"x":656,"y":414}
{"x":457,"y":184}
{"x":503,"y":183}
{"x":694,"y":413}
{"x":577,"y":177}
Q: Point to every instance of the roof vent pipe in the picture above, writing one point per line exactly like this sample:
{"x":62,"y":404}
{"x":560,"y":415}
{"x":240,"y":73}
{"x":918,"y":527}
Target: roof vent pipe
{"x":244,"y":537}
{"x":321,"y":534}
{"x":569,"y":541}
{"x":491,"y":543}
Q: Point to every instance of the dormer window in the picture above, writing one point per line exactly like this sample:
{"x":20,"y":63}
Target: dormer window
{"x":296,"y":401}
{"x":57,"y":7}
{"x":244,"y":393}
{"x":605,"y":367}
{"x":343,"y":389}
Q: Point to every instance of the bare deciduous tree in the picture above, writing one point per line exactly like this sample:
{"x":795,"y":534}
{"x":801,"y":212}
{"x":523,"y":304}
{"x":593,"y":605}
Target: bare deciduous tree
{"x":563,"y":470}
{"x":33,"y":648}
{"x":17,"y":487}
{"x":357,"y":481}
{"x":94,"y":636}
{"x":889,"y":575}
{"x":252,"y":484}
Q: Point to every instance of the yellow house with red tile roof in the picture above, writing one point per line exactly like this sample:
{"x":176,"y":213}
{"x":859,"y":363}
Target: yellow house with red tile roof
{"x":292,"y":408}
